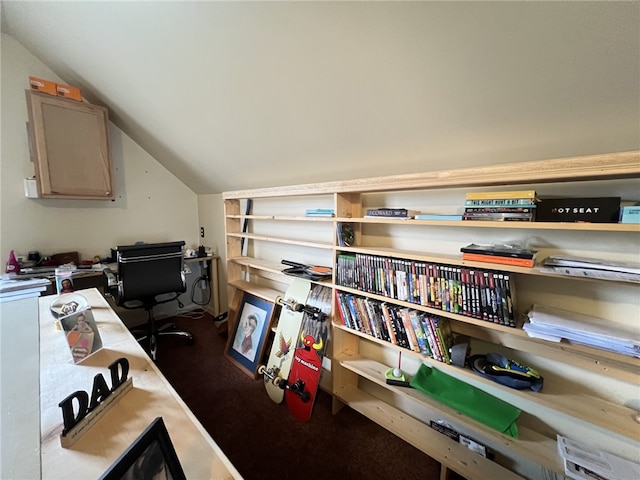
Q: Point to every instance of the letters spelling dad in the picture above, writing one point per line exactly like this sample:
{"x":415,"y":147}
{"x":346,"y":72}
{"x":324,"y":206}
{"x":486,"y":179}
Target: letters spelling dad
{"x":119,"y":371}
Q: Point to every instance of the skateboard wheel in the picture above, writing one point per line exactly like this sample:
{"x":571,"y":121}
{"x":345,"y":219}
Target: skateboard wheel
{"x":261,"y":369}
{"x":305,"y":397}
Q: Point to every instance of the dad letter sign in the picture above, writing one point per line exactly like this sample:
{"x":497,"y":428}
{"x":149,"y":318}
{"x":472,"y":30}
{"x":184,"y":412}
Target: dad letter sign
{"x":90,"y":410}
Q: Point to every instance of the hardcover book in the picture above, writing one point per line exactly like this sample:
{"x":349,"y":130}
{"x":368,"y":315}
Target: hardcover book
{"x":388,"y":212}
{"x":590,"y":210}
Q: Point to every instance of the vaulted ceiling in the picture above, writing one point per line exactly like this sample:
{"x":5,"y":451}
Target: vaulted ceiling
{"x":235,"y":95}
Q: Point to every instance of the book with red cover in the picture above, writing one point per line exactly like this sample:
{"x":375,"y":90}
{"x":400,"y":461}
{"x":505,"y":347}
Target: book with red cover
{"x":518,"y":262}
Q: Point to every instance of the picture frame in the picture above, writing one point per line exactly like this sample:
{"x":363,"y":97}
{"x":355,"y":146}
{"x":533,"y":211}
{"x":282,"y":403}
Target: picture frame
{"x":246,"y":343}
{"x":151,"y":453}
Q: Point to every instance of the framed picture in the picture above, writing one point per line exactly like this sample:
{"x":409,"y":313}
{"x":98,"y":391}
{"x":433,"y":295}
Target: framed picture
{"x":151,"y":455}
{"x":246,"y":343}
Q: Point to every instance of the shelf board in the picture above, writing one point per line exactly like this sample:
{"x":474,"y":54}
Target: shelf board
{"x":457,"y":260}
{"x":588,"y":409}
{"x":592,"y":227}
{"x":284,"y":218}
{"x":602,"y":362}
{"x":570,"y":169}
{"x":530,"y":444}
{"x":265,"y":238}
{"x":272,"y":270}
{"x":439,"y":447}
{"x":265,"y":293}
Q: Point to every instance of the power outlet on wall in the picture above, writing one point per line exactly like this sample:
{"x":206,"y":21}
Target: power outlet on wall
{"x":201,"y":232}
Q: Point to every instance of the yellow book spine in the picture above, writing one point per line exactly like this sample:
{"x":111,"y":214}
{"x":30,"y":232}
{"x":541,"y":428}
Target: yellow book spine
{"x":501,"y":195}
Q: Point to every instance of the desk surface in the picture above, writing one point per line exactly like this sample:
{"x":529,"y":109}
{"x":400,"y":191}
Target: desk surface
{"x":151,"y":396}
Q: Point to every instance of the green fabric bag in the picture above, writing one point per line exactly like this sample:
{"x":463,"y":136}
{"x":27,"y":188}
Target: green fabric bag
{"x":467,"y":399}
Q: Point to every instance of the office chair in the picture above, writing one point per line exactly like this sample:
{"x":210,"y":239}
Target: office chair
{"x":145,"y":272}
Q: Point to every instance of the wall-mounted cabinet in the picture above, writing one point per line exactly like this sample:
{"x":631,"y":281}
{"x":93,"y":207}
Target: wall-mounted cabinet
{"x":589,"y":394}
{"x":69,"y":147}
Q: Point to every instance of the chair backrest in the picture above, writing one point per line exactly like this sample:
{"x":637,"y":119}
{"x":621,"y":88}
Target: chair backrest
{"x":150,"y":269}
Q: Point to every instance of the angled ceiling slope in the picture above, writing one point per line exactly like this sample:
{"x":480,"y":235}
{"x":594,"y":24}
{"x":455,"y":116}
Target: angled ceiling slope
{"x":235,"y":95}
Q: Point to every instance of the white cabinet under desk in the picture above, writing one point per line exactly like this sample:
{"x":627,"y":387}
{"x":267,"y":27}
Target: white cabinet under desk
{"x":151,"y":396}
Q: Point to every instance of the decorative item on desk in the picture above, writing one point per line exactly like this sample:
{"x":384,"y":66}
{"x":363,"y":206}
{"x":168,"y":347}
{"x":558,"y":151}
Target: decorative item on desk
{"x":64,"y":280}
{"x":13,"y":266}
{"x":154,"y":446}
{"x":82,"y":334}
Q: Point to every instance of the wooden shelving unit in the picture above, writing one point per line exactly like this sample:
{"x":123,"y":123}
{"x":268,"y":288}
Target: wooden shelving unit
{"x":358,"y":361}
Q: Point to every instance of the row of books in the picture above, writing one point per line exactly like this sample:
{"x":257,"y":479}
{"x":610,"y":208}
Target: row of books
{"x":506,"y":206}
{"x":473,"y":292}
{"x":402,"y":326}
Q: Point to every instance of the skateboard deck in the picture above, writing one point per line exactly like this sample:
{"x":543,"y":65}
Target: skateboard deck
{"x":289,"y":322}
{"x":302,"y":385}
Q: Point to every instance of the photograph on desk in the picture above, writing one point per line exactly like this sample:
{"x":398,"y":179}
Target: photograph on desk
{"x":82,"y":334}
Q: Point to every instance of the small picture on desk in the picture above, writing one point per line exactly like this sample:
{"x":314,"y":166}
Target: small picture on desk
{"x":246,"y":345}
{"x":64,"y":281}
{"x":151,"y":455}
{"x":82,"y":334}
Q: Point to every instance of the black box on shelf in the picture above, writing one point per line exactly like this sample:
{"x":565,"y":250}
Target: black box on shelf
{"x":590,"y":210}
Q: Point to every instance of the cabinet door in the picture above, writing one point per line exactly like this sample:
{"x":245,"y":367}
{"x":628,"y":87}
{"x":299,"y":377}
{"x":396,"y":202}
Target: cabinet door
{"x":70,"y":148}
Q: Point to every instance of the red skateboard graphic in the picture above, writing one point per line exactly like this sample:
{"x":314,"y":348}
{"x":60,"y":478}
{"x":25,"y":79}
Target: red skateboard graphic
{"x":304,"y":376}
{"x":302,"y":385}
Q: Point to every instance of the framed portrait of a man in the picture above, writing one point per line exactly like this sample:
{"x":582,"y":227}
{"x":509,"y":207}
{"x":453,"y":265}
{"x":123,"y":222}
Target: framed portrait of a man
{"x":247,"y":339}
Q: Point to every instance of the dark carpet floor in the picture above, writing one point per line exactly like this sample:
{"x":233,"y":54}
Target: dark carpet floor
{"x":261,"y":438}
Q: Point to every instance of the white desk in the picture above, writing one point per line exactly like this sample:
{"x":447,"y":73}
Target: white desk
{"x":151,"y":396}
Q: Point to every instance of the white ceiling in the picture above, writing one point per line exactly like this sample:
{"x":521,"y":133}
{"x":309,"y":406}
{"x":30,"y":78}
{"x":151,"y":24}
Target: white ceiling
{"x":235,"y":95}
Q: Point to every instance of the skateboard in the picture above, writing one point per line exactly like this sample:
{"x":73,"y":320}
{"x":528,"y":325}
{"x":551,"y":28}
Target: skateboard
{"x":289,"y":322}
{"x":302,"y":385}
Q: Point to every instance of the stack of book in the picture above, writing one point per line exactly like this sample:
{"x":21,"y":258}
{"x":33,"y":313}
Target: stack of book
{"x":513,"y":206}
{"x":501,"y":254}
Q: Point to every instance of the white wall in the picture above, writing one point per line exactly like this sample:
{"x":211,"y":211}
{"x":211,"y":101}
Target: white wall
{"x":151,"y":203}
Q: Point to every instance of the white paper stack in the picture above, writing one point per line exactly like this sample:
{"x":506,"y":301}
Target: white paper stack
{"x":12,"y":288}
{"x":592,"y":268}
{"x":583,"y":462}
{"x":554,"y":324}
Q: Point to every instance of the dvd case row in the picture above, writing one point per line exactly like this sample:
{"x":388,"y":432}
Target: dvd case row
{"x":408,"y":328}
{"x":478,"y":293}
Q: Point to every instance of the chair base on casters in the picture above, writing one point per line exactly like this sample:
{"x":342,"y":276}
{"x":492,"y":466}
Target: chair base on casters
{"x":151,"y":335}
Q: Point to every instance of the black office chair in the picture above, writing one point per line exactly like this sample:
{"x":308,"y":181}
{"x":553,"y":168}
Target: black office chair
{"x":145,"y":272}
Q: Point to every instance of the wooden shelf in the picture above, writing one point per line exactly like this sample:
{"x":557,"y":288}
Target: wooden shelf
{"x":529,"y":443}
{"x":289,"y":241}
{"x":439,"y":447}
{"x":357,"y":379}
{"x":595,"y":411}
{"x":618,"y":366}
